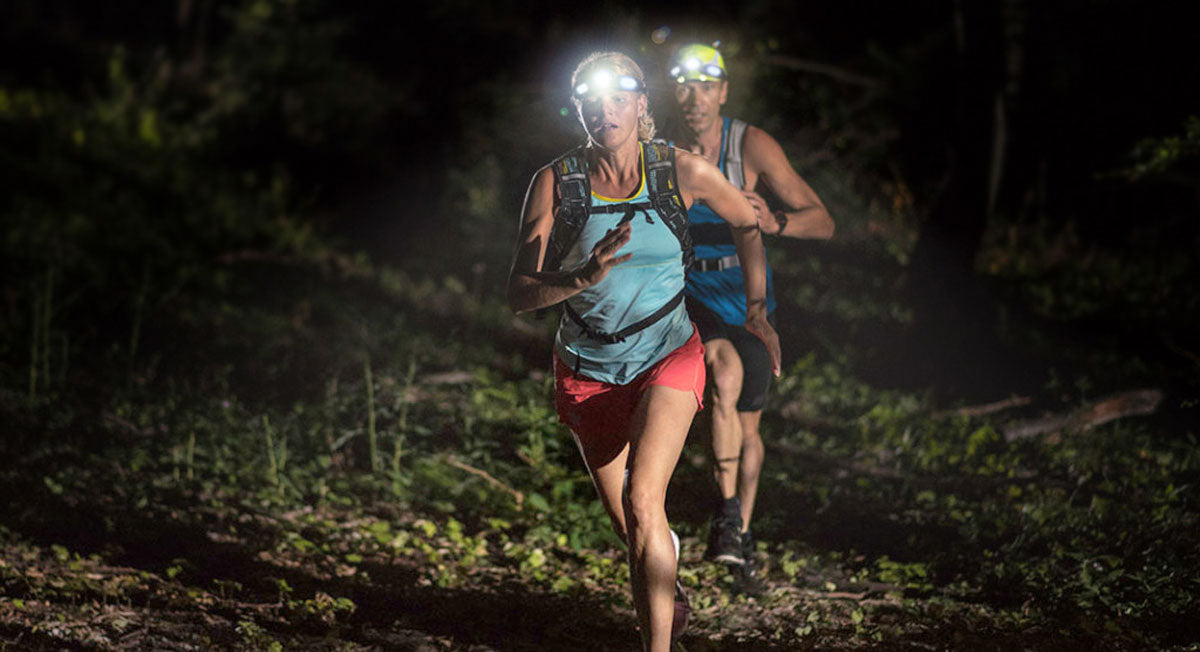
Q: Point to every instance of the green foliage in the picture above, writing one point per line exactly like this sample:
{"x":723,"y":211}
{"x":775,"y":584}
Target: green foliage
{"x":1156,"y":156}
{"x":255,"y":637}
{"x":187,"y":347}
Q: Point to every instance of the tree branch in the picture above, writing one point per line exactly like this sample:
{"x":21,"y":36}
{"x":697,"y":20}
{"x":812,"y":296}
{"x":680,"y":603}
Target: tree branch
{"x":489,"y":478}
{"x":840,"y":74}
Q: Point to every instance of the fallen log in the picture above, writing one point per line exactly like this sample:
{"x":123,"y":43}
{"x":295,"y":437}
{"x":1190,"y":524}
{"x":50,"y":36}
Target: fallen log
{"x":986,"y":409}
{"x":1140,"y":402}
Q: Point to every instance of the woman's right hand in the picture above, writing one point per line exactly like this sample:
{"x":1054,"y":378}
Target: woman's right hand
{"x":604,"y":256}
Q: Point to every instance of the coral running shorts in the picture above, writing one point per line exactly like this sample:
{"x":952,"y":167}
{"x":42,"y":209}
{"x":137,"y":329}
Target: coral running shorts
{"x":599,"y":413}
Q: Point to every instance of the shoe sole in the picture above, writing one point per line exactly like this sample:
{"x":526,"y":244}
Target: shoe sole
{"x":729,"y":560}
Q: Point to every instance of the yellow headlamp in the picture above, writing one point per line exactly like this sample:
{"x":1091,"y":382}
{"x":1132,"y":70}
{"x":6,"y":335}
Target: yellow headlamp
{"x":697,"y":62}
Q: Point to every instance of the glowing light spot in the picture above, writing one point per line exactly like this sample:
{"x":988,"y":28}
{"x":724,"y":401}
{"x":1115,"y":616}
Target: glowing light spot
{"x":602,"y":79}
{"x":660,"y":35}
{"x":564,"y":112}
{"x":628,"y":83}
{"x":581,"y":89}
{"x":692,"y":64}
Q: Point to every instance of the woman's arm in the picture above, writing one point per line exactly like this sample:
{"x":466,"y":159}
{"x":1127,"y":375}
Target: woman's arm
{"x":699,"y":180}
{"x":529,"y":288}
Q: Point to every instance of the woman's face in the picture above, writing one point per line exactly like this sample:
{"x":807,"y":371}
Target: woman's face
{"x":611,"y":118}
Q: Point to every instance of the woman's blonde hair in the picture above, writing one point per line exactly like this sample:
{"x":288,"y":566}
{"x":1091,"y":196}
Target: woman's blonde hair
{"x":622,"y":65}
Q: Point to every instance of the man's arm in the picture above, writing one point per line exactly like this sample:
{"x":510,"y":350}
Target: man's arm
{"x":700,"y":180}
{"x":805,"y":215}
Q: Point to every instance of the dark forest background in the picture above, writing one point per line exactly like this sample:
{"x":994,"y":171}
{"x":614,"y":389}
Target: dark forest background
{"x":254,"y":355}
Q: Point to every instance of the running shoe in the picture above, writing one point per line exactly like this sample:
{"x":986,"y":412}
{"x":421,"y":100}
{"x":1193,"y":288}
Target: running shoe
{"x":683,"y":610}
{"x":725,"y":540}
{"x":746,"y":579}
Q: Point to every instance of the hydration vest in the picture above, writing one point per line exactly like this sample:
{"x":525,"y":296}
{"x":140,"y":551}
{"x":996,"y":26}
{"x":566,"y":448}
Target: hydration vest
{"x":575,"y":194}
{"x":715,"y":279}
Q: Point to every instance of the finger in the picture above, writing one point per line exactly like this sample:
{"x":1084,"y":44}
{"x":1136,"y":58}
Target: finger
{"x":620,"y":259}
{"x":612,"y":240}
{"x":619,"y":234}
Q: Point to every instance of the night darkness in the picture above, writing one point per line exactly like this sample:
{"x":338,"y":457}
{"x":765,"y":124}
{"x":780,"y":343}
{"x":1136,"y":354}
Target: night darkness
{"x":260,"y":387}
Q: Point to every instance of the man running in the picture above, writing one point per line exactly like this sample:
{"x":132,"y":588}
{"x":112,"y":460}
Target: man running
{"x":738,"y":363}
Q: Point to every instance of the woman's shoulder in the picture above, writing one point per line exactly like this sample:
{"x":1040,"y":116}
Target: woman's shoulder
{"x":694,"y":169}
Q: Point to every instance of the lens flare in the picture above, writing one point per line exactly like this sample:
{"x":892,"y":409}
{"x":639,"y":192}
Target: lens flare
{"x":602,"y":79}
{"x":660,"y":35}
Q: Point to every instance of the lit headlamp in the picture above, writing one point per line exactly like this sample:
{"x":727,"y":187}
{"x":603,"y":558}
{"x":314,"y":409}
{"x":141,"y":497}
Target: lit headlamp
{"x":697,"y":62}
{"x":606,"y":81}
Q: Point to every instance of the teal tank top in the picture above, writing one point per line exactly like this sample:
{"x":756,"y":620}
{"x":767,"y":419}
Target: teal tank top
{"x":631,"y":291}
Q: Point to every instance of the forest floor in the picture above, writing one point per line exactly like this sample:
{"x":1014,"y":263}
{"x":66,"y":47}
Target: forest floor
{"x":176,"y":566}
{"x":433,"y":503}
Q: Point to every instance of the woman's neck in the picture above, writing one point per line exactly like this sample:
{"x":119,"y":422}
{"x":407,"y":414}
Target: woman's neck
{"x":617,"y":172}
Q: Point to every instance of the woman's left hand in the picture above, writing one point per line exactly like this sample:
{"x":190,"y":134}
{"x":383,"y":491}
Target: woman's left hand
{"x":756,"y":323}
{"x":761,"y":211}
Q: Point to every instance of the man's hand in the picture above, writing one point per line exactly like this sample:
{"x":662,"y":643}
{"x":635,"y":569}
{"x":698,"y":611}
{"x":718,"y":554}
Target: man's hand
{"x":768,"y":220}
{"x":756,"y":323}
{"x":604,"y":256}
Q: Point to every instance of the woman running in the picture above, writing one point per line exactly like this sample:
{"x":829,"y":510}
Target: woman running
{"x":603,"y":231}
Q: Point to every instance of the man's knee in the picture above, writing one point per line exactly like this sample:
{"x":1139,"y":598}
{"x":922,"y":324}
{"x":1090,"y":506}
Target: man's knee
{"x":751,"y":438}
{"x":752,"y":450}
{"x":725,"y":372}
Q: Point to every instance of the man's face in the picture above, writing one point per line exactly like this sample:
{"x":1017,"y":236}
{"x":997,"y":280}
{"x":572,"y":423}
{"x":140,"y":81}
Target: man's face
{"x":700,"y":103}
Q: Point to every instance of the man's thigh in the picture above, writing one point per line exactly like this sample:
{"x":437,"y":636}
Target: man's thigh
{"x":756,"y":368}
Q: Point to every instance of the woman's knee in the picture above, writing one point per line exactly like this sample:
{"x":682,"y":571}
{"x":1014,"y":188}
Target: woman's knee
{"x":643,"y":507}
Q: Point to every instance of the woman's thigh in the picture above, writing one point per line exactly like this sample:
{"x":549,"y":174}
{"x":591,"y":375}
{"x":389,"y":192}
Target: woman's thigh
{"x":658,"y":431}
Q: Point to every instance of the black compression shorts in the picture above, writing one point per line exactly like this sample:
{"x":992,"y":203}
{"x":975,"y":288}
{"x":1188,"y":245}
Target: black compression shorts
{"x":756,"y":360}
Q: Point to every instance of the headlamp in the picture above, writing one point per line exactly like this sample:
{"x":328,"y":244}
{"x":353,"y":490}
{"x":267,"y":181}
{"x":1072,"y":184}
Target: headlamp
{"x":607,"y":81}
{"x":697,"y":62}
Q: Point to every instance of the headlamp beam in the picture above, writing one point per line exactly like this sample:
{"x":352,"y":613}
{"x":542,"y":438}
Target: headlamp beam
{"x":606,"y":81}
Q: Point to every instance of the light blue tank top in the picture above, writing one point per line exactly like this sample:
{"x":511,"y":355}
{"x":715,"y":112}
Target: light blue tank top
{"x":631,"y":291}
{"x":721,"y":291}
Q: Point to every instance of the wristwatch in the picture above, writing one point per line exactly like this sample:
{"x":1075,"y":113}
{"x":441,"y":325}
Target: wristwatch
{"x":782,"y":218}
